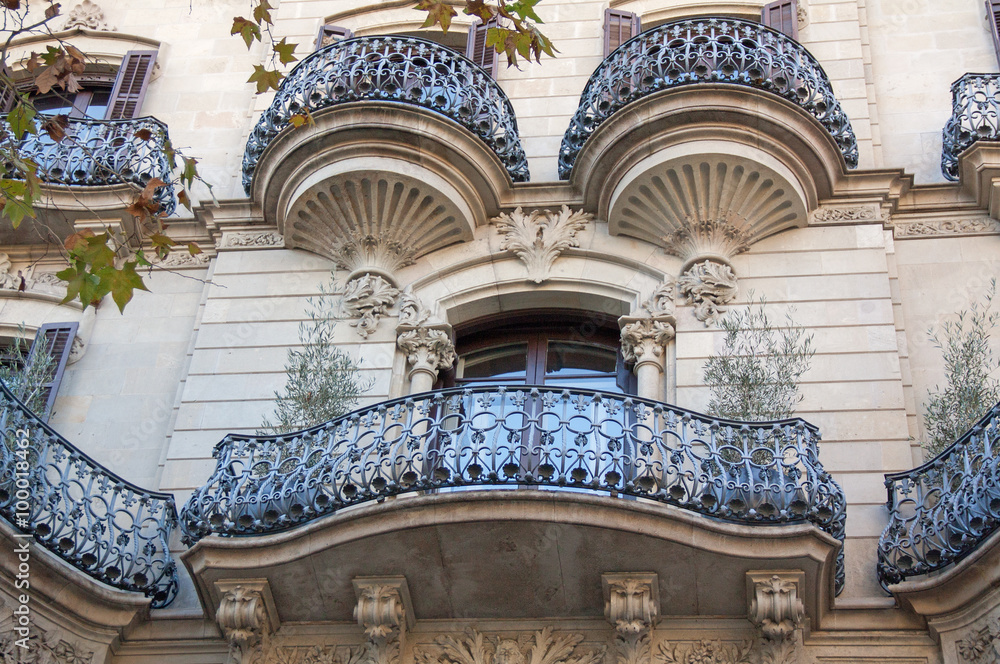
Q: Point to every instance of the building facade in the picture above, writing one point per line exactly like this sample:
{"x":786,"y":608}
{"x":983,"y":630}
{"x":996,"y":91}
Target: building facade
{"x":578,"y":226}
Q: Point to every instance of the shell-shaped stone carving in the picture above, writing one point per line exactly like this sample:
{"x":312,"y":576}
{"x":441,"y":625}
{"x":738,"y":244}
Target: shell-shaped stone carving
{"x":374,"y":221}
{"x":706,"y":206}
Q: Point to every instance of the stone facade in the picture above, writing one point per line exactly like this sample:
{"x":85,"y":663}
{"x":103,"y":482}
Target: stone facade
{"x":664,"y":225}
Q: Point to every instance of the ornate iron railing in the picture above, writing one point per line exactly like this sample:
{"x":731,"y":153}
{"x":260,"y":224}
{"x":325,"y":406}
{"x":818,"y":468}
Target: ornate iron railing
{"x":396,"y":69}
{"x":941,"y":511}
{"x":97,"y":522}
{"x":708,"y":50}
{"x":975,"y":116}
{"x":103,"y":152}
{"x":520,"y":436}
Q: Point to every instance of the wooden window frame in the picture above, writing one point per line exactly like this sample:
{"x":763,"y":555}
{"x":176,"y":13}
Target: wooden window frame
{"x":131,"y":83}
{"x":773,"y":11}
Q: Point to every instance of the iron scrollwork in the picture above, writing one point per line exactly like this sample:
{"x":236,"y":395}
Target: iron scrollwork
{"x":942,"y":511}
{"x":109,"y":529}
{"x":394,"y":69}
{"x":756,"y":473}
{"x":103,"y":152}
{"x":975,"y":116}
{"x":710,"y":50}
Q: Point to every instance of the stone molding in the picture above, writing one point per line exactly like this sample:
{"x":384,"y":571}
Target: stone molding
{"x":846,"y":214}
{"x":250,"y":240}
{"x":539,"y":237}
{"x":366,"y":299}
{"x":541,"y":647}
{"x":709,"y":286}
{"x":915,"y":229}
{"x":247,"y":617}
{"x":87,"y":15}
{"x":427,"y":349}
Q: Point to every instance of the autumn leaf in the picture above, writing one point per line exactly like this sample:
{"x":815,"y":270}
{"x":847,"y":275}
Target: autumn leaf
{"x":52,"y":10}
{"x":246,"y":29}
{"x":437,"y":12}
{"x":75,"y":239}
{"x":144,"y":205}
{"x":480,"y":9}
{"x":285,"y":52}
{"x":194,"y":249}
{"x":94,"y":251}
{"x":11,"y":4}
{"x":144,"y":134}
{"x":189,"y":172}
{"x":301,"y":119}
{"x":526,"y":10}
{"x":262,"y":13}
{"x":122,"y":283}
{"x":55,"y":126}
{"x":162,"y":244}
{"x":21,"y":120}
{"x":264,"y":78}
{"x":184,"y":199}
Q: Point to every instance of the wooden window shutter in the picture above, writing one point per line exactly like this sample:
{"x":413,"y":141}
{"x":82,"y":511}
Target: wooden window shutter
{"x":993,"y":16}
{"x":8,"y":92}
{"x":476,"y":49}
{"x":783,"y":16}
{"x":130,"y":85}
{"x":58,"y":339}
{"x":328,"y":34}
{"x":619,"y":27}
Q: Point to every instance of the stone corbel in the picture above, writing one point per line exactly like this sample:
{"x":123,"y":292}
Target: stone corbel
{"x":367,"y":298}
{"x":632,"y":606}
{"x":777,"y":611}
{"x":247,"y":617}
{"x":385,"y":612}
{"x":709,"y":286}
{"x":428,"y":349}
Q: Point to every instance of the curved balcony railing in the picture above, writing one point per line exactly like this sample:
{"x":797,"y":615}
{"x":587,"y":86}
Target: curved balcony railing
{"x":396,"y":69}
{"x":103,"y":152}
{"x":760,"y":473}
{"x":943,"y":510}
{"x":975,"y":116}
{"x":710,"y":50}
{"x":94,"y":520}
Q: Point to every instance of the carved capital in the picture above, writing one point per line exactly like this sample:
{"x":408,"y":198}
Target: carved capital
{"x":644,"y":339}
{"x":775,"y":606}
{"x":246,"y":615}
{"x":383,"y":611}
{"x":708,"y":286}
{"x":539,"y":237}
{"x":366,"y":299}
{"x":427,"y":349}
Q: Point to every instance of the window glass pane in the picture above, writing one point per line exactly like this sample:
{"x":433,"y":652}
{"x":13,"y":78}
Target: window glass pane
{"x":508,"y":361}
{"x":600,"y":383}
{"x":54,"y":104}
{"x":567,"y":357}
{"x":99,"y":104}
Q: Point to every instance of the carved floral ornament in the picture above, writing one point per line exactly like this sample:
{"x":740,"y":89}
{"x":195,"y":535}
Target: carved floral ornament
{"x":542,"y":647}
{"x":981,"y":646}
{"x":539,"y":237}
{"x":251,"y":240}
{"x":427,"y":349}
{"x":709,"y":286}
{"x":87,"y":15}
{"x":981,"y":226}
{"x":32,"y":644}
{"x":366,"y":299}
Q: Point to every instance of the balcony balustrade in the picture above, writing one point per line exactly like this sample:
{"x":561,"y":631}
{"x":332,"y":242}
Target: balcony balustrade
{"x":86,"y":515}
{"x":943,"y":510}
{"x":975,"y":116}
{"x":707,"y":51}
{"x":405,"y":70}
{"x":749,"y":473}
{"x":98,"y":153}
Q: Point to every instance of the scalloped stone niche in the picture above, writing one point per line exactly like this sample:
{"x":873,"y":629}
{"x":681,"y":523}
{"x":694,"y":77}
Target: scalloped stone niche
{"x":377,"y":221}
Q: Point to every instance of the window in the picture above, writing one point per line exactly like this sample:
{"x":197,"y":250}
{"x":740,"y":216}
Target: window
{"x":782,"y":16}
{"x":477,"y":50}
{"x":993,"y":15}
{"x":331,"y":34}
{"x":619,"y":27}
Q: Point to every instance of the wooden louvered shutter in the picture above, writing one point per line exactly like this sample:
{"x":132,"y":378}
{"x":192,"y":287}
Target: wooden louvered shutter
{"x":329,"y":34}
{"x":8,"y":93}
{"x":130,"y":85}
{"x":619,"y":27}
{"x":783,"y":16}
{"x":993,"y":16}
{"x":476,"y":49}
{"x":58,"y":339}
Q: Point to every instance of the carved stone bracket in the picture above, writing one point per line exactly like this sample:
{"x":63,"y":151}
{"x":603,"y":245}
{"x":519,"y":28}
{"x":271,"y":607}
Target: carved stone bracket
{"x":708,"y":286}
{"x":632,"y":605}
{"x":366,"y":299}
{"x":428,"y":350}
{"x":385,"y":612}
{"x":250,"y":240}
{"x":538,"y":238}
{"x":775,"y":606}
{"x":87,"y":15}
{"x":362,"y":253}
{"x":247,"y":617}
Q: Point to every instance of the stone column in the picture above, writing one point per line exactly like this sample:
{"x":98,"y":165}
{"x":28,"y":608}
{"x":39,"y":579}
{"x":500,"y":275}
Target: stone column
{"x":428,"y":351}
{"x":644,"y":342}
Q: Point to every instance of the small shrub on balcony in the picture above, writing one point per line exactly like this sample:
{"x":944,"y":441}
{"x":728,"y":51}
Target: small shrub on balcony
{"x":755,"y":377}
{"x":971,"y":383}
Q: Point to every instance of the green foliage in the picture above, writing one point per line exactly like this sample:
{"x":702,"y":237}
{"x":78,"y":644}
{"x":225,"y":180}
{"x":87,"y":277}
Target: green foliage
{"x":756,"y":375}
{"x":971,"y":384}
{"x":323,"y":381}
{"x":27,"y":379}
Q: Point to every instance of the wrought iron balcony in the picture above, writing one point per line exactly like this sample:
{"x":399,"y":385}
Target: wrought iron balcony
{"x":101,"y":153}
{"x":94,"y":520}
{"x":943,"y":510}
{"x":975,"y":116}
{"x":395,"y":69}
{"x":707,"y":51}
{"x":752,"y":473}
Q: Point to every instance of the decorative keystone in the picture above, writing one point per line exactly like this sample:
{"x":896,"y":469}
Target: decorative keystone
{"x":538,"y":238}
{"x":247,"y":617}
{"x":775,"y":606}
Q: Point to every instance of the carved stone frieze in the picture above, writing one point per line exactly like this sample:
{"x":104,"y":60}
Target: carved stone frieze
{"x":709,"y":286}
{"x":31,"y":644}
{"x":846,"y":213}
{"x":539,"y":237}
{"x":775,"y":606}
{"x":46,"y":282}
{"x":982,"y":645}
{"x":541,"y":647}
{"x":644,"y":340}
{"x":247,"y":618}
{"x":371,"y":253}
{"x":947,"y":227}
{"x":182,"y":258}
{"x":705,"y":652}
{"x":366,"y":299}
{"x":251,"y":240}
{"x":632,"y":606}
{"x":707,"y":237}
{"x":87,"y":15}
{"x":427,"y":349}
